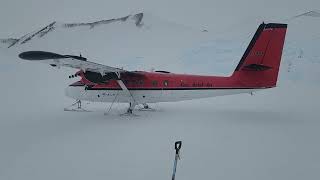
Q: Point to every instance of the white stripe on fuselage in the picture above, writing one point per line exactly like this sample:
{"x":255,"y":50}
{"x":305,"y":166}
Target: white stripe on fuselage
{"x":148,"y":96}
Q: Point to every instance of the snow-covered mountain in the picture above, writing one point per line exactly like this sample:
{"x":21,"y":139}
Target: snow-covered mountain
{"x":141,"y":38}
{"x":143,"y":41}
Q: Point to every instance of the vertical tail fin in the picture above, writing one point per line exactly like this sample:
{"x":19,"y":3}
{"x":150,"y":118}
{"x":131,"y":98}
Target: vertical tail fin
{"x":259,"y":65}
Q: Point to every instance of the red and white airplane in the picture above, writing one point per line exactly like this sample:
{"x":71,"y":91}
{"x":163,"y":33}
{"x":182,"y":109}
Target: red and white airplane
{"x":258,"y":69}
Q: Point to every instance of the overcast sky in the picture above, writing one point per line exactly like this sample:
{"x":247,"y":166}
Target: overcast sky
{"x":18,"y":17}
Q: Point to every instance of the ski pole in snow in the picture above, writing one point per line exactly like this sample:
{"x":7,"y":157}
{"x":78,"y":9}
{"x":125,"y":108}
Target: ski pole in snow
{"x":177,"y":147}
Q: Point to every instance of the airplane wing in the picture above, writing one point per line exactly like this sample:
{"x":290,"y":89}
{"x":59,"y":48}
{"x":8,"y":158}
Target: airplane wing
{"x":77,"y":62}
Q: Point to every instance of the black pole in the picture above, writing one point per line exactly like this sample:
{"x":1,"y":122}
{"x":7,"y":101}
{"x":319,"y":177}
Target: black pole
{"x":177,"y":146}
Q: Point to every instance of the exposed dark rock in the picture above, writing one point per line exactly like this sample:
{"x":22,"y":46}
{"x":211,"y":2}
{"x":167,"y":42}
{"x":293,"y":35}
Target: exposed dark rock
{"x":41,"y":33}
{"x":137,"y":18}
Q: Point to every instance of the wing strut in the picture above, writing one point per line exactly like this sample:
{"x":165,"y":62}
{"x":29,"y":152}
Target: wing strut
{"x":133,"y":102}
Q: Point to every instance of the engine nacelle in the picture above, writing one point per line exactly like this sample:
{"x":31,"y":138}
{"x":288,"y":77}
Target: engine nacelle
{"x":97,"y":78}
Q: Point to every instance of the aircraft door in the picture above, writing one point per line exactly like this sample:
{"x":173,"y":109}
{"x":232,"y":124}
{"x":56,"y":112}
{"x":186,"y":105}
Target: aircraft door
{"x":165,"y":93}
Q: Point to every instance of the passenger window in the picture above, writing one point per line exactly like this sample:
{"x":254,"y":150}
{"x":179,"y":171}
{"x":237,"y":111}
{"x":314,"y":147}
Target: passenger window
{"x":166,"y":83}
{"x":154,"y":83}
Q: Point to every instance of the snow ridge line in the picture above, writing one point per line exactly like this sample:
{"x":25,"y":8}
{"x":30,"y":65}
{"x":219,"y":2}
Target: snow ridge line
{"x":11,"y":42}
{"x":137,"y":18}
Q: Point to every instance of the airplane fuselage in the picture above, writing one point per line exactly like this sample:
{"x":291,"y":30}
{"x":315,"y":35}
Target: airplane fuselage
{"x":152,"y":87}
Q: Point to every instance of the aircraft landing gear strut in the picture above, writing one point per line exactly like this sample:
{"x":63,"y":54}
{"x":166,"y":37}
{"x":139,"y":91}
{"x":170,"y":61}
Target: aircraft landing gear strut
{"x":79,"y":104}
{"x":130,"y":109}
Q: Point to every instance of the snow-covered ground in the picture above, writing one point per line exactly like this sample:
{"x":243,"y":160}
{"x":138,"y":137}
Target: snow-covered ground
{"x":270,"y":135}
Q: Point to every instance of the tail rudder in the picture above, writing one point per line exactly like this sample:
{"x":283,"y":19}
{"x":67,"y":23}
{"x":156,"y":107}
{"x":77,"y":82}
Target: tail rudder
{"x":259,"y":65}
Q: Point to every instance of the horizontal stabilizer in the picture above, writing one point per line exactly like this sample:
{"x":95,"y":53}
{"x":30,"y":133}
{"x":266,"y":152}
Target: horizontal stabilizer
{"x":256,"y":67}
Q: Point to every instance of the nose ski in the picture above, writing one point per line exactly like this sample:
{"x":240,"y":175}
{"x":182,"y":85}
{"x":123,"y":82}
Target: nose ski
{"x":76,"y":107}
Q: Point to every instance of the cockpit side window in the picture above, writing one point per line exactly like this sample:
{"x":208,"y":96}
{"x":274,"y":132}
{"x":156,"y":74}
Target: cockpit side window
{"x":165,"y":83}
{"x":154,"y":83}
